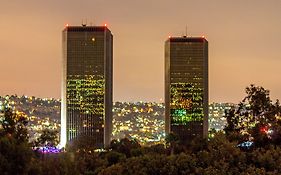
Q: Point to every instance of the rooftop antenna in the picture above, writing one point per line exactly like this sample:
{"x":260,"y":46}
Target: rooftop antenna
{"x":185,"y":33}
{"x":84,"y":24}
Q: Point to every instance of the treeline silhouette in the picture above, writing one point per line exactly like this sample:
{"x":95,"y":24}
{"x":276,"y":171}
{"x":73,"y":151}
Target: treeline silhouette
{"x":256,"y":120}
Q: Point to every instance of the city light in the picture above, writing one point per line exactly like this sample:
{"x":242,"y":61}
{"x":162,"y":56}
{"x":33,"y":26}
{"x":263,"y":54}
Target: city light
{"x":141,"y":120}
{"x":48,"y":150}
{"x":264,"y":129}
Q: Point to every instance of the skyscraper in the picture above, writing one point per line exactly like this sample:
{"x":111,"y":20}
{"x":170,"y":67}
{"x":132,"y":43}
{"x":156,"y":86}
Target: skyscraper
{"x":86,"y":110}
{"x":186,"y":87}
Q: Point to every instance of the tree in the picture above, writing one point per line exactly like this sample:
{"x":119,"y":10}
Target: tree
{"x":48,"y":138}
{"x":15,"y":152}
{"x":172,"y":140}
{"x":114,"y":157}
{"x":154,"y":149}
{"x":14,"y":125}
{"x":124,"y":146}
{"x":255,"y":117}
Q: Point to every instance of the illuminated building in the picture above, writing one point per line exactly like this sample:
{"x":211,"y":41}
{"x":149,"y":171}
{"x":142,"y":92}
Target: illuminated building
{"x":86,"y":109}
{"x":217,"y":118}
{"x":186,"y":87}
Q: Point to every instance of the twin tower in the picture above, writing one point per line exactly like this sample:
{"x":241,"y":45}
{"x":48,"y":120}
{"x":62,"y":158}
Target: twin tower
{"x":86,"y":106}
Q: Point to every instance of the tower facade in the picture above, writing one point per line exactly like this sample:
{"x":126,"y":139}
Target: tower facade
{"x":86,"y":106}
{"x":186,"y":87}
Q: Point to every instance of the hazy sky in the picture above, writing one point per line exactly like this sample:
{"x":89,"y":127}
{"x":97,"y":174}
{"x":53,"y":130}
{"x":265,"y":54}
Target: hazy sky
{"x":244,"y":43}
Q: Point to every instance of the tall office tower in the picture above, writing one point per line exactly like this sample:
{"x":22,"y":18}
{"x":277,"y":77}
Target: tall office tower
{"x":86,"y":110}
{"x":186,"y":87}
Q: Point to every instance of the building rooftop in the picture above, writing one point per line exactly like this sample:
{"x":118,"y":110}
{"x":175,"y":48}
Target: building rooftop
{"x":186,"y":39}
{"x":84,"y":27}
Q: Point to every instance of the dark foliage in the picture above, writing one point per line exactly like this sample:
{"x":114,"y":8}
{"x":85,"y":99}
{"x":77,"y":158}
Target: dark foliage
{"x":125,"y":146}
{"x":256,"y":118}
{"x":15,"y":152}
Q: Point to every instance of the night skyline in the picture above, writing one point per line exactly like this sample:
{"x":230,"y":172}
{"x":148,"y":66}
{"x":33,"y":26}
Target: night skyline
{"x":244,"y":50}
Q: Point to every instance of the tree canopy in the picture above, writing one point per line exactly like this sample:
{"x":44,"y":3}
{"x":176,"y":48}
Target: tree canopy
{"x":256,"y":118}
